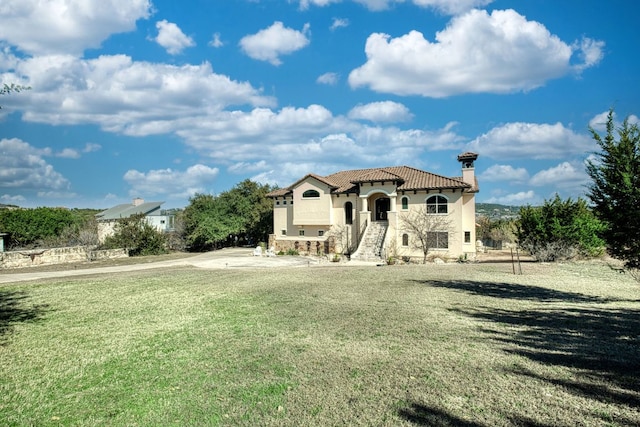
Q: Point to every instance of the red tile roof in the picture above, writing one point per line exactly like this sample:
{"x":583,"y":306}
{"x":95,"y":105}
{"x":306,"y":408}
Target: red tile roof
{"x":406,"y":178}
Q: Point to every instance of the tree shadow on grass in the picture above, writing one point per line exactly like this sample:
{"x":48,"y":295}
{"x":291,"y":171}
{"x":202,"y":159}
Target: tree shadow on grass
{"x":14,"y":309}
{"x":424,"y":416}
{"x":600,"y":344}
{"x":515,"y":291}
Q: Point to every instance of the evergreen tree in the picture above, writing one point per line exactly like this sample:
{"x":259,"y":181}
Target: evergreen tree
{"x":615,"y":190}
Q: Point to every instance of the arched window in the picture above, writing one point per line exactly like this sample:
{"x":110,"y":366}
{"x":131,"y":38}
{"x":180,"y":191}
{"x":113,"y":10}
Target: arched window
{"x":405,"y":239}
{"x":348,"y":213}
{"x":310,"y":193}
{"x":405,"y":203}
{"x":437,"y":205}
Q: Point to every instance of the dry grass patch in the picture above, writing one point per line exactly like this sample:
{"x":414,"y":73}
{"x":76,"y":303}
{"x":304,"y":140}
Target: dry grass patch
{"x":406,"y":345}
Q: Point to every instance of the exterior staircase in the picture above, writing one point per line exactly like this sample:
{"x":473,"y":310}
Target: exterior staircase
{"x":370,"y":248}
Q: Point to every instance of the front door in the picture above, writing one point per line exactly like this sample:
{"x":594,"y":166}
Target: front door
{"x":383,"y":205}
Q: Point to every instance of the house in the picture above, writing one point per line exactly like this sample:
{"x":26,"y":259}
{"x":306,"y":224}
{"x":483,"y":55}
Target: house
{"x":365,"y":213}
{"x":158,"y":218}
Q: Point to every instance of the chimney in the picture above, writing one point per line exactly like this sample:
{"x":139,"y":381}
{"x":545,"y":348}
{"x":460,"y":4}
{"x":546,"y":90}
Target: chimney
{"x":468,"y":169}
{"x":138,"y":201}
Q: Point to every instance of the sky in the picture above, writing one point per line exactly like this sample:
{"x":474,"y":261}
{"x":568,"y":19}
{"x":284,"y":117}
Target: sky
{"x":162,"y":99}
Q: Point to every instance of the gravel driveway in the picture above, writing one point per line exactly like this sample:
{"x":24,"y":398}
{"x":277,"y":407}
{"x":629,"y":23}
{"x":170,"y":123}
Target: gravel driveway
{"x":224,"y":258}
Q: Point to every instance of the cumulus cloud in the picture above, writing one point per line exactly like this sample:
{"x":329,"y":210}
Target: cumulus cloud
{"x":171,"y":37}
{"x":504,"y":173}
{"x":531,"y":140}
{"x":478,"y":52}
{"x":563,"y":176}
{"x":67,"y":26}
{"x":385,"y":111}
{"x":195,"y":179}
{"x":23,"y":166}
{"x":271,"y":43}
{"x":122,"y":95}
{"x":328,"y":79}
{"x":599,"y":121}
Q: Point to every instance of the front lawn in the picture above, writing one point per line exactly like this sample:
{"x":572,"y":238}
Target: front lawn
{"x":470,"y":345}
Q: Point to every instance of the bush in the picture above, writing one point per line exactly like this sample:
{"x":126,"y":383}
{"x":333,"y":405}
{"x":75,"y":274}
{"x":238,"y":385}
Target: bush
{"x":560,"y":229}
{"x":137,"y":236}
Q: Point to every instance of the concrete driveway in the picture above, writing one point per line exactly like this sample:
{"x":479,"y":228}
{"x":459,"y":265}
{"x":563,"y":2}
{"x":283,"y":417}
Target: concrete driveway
{"x":224,"y":258}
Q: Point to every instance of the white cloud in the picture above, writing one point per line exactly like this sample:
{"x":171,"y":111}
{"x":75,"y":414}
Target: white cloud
{"x":444,"y":6}
{"x":216,"y":41}
{"x":339,"y":23}
{"x":23,"y":166}
{"x":12,"y":199}
{"x":68,"y":153}
{"x":505,"y":174}
{"x":91,"y":147}
{"x":271,"y":43}
{"x":452,"y":7}
{"x":385,"y":111}
{"x":167,"y":182}
{"x":564,"y":176}
{"x":517,"y":199}
{"x":124,"y":96}
{"x":599,"y":121}
{"x":476,"y":53}
{"x":67,"y":26}
{"x":328,"y":79}
{"x":171,"y":37}
{"x":531,"y":140}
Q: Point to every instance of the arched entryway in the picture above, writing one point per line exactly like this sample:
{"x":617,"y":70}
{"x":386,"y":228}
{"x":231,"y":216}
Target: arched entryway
{"x":382,"y":206}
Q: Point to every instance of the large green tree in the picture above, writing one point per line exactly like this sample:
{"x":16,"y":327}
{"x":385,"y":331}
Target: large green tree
{"x":615,"y":190}
{"x":243,"y":211}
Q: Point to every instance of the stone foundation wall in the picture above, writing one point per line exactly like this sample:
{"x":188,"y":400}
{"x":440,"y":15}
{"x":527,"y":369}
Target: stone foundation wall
{"x":302,"y":245}
{"x":37,"y":257}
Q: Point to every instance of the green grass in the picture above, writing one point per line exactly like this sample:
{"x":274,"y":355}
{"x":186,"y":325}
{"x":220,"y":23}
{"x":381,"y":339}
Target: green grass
{"x":469,"y":345}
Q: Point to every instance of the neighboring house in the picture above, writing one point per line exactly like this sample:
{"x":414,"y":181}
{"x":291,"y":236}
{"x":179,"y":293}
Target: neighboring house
{"x":360,"y":212}
{"x":155,"y":216}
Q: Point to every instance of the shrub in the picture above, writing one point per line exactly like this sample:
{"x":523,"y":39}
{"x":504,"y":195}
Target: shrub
{"x":137,"y":236}
{"x":560,"y":229}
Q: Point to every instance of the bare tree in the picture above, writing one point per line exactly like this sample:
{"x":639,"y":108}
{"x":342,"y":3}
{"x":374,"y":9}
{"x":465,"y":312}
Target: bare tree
{"x":427,"y":231}
{"x":342,"y":237}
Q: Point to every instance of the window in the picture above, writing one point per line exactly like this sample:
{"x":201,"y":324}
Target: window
{"x":437,"y":205}
{"x":277,"y":203}
{"x":310,"y":193}
{"x":320,"y":233}
{"x":405,"y":240}
{"x":467,"y":237}
{"x":284,"y":202}
{"x":284,"y":232}
{"x":405,"y":203}
{"x":300,"y":232}
{"x":438,"y":239}
{"x":348,"y":213}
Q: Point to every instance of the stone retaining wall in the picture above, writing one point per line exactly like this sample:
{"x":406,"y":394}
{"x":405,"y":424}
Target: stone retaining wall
{"x":37,"y":257}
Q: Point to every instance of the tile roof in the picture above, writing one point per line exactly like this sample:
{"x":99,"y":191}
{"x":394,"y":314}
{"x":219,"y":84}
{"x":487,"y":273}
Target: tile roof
{"x":407,"y":178}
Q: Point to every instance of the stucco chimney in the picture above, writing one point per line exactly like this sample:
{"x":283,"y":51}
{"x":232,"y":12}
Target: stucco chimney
{"x":468,"y":169}
{"x":138,"y":201}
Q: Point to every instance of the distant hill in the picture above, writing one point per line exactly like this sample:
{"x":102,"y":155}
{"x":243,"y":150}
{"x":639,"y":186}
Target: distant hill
{"x":3,"y":206}
{"x":497,"y":211}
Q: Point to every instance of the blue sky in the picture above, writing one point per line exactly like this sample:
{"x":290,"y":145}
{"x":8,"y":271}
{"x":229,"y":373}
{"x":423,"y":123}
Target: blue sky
{"x":162,"y":99}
